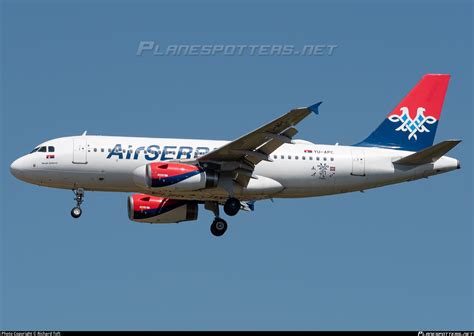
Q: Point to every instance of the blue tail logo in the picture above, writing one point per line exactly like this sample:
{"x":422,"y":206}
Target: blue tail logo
{"x":410,"y":125}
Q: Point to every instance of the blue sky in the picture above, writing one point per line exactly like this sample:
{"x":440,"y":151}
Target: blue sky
{"x":399,"y":257}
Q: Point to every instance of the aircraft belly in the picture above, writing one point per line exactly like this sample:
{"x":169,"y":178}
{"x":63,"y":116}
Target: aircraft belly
{"x":301,"y":178}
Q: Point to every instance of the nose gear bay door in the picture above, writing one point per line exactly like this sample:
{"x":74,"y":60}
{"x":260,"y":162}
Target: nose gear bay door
{"x":79,"y":150}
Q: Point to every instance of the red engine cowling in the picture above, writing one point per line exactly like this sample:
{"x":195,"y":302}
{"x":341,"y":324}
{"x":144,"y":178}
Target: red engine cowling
{"x":151,"y":209}
{"x":174,"y":176}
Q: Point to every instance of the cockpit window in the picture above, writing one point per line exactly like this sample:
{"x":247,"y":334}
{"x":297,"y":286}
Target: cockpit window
{"x":50,"y":149}
{"x":42,"y":149}
{"x":34,"y":150}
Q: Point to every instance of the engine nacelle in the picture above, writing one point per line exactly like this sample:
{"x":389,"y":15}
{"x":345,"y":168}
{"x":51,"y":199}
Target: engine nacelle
{"x":174,"y":176}
{"x":151,"y":209}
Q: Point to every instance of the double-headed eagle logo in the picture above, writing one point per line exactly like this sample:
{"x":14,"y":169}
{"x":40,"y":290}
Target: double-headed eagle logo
{"x":410,"y":125}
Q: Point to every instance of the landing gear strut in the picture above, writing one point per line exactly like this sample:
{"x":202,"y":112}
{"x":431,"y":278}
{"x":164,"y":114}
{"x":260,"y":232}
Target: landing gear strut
{"x":232,"y":206}
{"x":218,"y":226}
{"x":76,"y":212}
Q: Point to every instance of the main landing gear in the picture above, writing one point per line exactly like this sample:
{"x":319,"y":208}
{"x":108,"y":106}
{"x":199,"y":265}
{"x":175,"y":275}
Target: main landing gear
{"x":76,"y":212}
{"x":231,"y":208}
{"x":218,"y":227}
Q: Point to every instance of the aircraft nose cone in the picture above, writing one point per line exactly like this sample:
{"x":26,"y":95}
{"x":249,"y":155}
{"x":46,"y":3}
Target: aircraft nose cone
{"x":16,"y":168}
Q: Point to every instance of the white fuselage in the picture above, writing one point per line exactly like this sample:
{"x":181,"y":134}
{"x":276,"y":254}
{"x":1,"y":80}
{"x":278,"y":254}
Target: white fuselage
{"x":301,"y":169}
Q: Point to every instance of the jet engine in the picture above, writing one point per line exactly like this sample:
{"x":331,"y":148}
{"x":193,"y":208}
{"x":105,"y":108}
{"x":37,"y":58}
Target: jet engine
{"x":174,"y":176}
{"x":156,"y":210}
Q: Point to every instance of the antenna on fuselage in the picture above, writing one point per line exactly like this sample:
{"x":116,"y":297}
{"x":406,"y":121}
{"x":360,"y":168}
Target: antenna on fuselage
{"x":85,"y":133}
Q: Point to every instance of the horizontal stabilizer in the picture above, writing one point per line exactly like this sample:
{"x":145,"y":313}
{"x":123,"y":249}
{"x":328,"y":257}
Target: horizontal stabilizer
{"x":428,"y":155}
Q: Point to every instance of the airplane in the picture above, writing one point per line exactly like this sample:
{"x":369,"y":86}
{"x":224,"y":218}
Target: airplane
{"x":170,"y":178}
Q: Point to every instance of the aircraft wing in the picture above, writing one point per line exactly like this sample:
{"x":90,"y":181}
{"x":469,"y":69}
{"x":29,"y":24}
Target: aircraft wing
{"x":241,"y":155}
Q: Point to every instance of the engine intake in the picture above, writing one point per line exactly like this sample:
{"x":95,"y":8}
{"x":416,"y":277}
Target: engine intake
{"x":152,"y":209}
{"x":174,"y":176}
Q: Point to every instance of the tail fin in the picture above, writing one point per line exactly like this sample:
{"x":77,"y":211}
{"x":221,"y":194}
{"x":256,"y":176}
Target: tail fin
{"x":412,"y":124}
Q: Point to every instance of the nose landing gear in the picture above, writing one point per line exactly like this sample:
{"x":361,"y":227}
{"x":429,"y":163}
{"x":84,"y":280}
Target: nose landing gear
{"x":76,"y":212}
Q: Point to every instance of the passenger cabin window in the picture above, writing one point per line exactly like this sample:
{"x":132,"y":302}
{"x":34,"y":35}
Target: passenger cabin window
{"x":42,"y":149}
